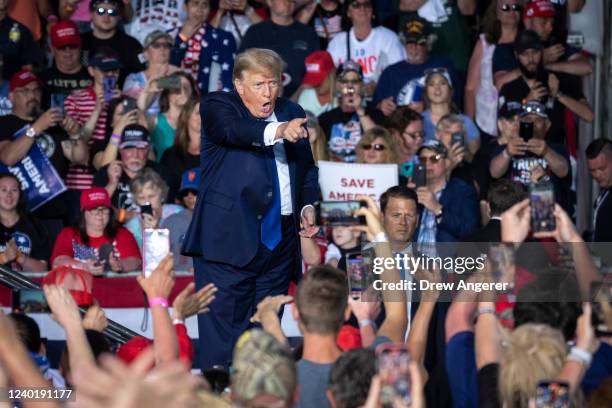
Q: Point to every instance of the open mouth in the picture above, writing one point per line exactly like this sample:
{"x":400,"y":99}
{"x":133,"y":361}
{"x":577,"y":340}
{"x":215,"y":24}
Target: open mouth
{"x":266,"y":107}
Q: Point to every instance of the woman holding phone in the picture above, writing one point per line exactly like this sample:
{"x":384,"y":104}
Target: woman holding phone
{"x":96,"y":243}
{"x":149,"y":191}
{"x":175,"y":92}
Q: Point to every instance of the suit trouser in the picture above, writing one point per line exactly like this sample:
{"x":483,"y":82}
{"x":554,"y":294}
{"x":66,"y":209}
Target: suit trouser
{"x":239,"y":292}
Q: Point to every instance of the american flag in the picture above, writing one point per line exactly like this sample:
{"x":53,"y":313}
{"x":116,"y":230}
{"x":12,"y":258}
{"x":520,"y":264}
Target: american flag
{"x":83,"y":252}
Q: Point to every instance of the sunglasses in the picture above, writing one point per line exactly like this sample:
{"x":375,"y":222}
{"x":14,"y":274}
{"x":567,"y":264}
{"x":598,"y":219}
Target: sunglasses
{"x":510,"y":7}
{"x":431,"y":71}
{"x":432,"y":159}
{"x":377,"y":146}
{"x":536,"y":108}
{"x":110,"y":12}
{"x":421,"y":43}
{"x":356,"y":5}
{"x":163,"y":45}
{"x":350,"y":81}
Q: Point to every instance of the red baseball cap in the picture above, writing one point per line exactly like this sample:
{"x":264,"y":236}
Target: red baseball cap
{"x":65,"y":33}
{"x":539,"y":8}
{"x":21,"y":79}
{"x":95,"y":197}
{"x":318,"y":66}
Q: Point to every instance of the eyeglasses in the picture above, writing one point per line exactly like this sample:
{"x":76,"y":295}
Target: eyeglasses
{"x":377,"y":146}
{"x":432,"y":159}
{"x":419,"y":134}
{"x":100,"y":211}
{"x":110,"y":12}
{"x":163,"y":45}
{"x":365,"y":5}
{"x":510,"y":7}
{"x":26,"y":91}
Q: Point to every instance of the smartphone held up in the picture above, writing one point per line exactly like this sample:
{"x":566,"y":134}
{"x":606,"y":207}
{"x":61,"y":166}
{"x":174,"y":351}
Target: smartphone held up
{"x":339,"y":213}
{"x":155,"y":247}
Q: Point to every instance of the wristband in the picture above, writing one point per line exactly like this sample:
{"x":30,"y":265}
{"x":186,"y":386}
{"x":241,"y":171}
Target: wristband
{"x":115,"y":139}
{"x":380,"y":237}
{"x":581,"y":356}
{"x":366,"y":322}
{"x":158,"y":301}
{"x":177,"y":321}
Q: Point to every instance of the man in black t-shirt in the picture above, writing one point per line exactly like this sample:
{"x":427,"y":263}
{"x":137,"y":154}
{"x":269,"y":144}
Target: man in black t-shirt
{"x":599,"y":162}
{"x":555,"y":91}
{"x":105,"y":17}
{"x":292,"y":40}
{"x":116,"y":177}
{"x":67,"y":74}
{"x":524,"y":161}
{"x":16,"y":44}
{"x":49,"y":130}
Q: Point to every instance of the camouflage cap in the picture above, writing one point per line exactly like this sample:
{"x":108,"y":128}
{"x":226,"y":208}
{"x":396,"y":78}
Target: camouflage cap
{"x":261,"y":366}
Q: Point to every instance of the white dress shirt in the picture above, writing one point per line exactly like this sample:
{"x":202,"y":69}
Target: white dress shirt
{"x":282,"y":167}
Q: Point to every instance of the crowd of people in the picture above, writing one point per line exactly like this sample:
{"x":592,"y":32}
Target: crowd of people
{"x":101,"y":136}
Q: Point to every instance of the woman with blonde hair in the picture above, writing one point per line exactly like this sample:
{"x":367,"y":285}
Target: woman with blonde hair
{"x":377,"y":147}
{"x":316,"y":137}
{"x":185,"y":153}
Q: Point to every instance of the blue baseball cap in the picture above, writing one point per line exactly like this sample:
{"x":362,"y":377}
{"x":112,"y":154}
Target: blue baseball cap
{"x":191,"y":180}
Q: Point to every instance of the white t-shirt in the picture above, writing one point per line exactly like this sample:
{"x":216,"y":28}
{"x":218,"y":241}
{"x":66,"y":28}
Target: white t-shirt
{"x":164,"y":15}
{"x":380,"y":49}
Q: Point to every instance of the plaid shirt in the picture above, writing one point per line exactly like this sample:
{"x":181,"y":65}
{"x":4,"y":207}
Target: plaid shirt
{"x":429,"y":226}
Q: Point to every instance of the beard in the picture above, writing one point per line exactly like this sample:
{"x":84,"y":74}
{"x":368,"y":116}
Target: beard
{"x":528,"y":73}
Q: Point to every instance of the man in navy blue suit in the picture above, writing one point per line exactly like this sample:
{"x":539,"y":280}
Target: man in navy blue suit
{"x":258,"y":179}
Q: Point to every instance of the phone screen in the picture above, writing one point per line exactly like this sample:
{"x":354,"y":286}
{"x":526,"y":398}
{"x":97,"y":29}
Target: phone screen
{"x":356,"y":270}
{"x":338,"y":213}
{"x":109,"y":85}
{"x":542,"y":199}
{"x":155,"y":247}
{"x":552,"y":394}
{"x":32,"y":301}
{"x":503,"y":267}
{"x":393,"y":368}
{"x":526,"y":130}
{"x":57,"y":101}
{"x":169,"y":82}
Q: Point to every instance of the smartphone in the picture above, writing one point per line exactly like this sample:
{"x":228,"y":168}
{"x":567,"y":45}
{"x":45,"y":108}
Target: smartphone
{"x":575,"y":40}
{"x":146,"y":208}
{"x":356,"y":271}
{"x":502,"y":261}
{"x":57,"y":101}
{"x":419,"y":176}
{"x":552,"y":394}
{"x":338,"y":213}
{"x":109,"y":84}
{"x":169,"y":82}
{"x":103,"y":254}
{"x":31,"y":301}
{"x":129,"y":105}
{"x":407,"y":169}
{"x":155,"y":247}
{"x":542,"y":198}
{"x":393,"y":368}
{"x":526,"y":130}
{"x":457,"y":138}
{"x":600,"y":292}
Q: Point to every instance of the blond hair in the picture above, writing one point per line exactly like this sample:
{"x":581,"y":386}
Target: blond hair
{"x":258,"y":60}
{"x":534,"y":352}
{"x":372,"y":134}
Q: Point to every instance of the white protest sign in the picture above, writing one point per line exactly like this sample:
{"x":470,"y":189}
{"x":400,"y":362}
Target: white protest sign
{"x":344,"y":181}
